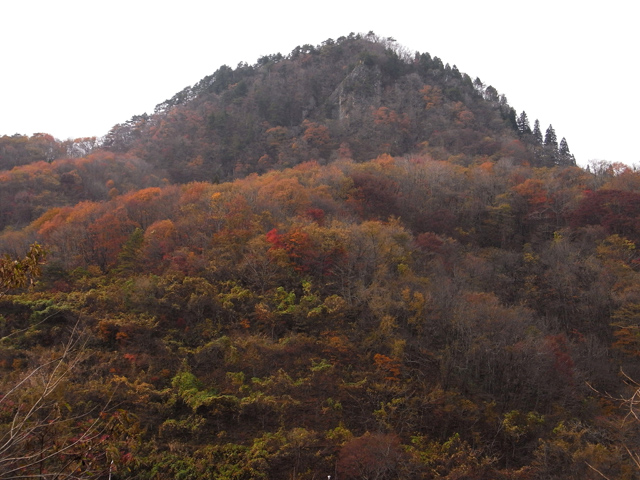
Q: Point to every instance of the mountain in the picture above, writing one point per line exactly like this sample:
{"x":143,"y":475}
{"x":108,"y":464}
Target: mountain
{"x":348,"y":261}
{"x":360,"y":94}
{"x":356,"y":97}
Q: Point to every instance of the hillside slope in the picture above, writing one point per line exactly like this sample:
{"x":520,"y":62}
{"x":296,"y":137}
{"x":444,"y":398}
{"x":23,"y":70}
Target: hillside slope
{"x":362,"y":95}
{"x":357,"y":97}
{"x":413,"y":285}
{"x":304,"y":321}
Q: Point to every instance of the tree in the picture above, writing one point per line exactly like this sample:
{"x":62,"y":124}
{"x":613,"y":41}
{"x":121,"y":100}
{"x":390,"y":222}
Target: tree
{"x":432,"y":96}
{"x":491,"y":94}
{"x":550,"y":139}
{"x":549,"y":153}
{"x":565,"y":156}
{"x":373,"y":456}
{"x":523,"y":124}
{"x":129,"y":256}
{"x":23,"y":272}
{"x":39,"y":435}
{"x":630,"y":404}
{"x":537,"y":133}
{"x":616,"y":211}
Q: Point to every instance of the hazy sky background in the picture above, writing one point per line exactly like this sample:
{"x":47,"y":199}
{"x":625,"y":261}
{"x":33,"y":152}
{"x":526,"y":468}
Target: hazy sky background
{"x":76,"y":68}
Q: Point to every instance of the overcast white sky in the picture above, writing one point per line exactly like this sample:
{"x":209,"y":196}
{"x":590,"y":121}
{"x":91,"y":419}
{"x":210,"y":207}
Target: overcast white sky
{"x":75,"y":68}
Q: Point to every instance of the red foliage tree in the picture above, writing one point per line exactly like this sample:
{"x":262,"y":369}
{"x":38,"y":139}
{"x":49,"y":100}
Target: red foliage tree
{"x":374,"y":196}
{"x":297,"y":245}
{"x":108,"y":234}
{"x":372,"y":456}
{"x":616,"y":210}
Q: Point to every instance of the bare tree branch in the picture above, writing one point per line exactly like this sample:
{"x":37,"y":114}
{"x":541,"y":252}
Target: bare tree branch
{"x":30,"y":443}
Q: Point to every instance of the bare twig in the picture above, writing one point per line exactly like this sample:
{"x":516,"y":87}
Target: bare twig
{"x":20,"y":456}
{"x":22,"y":330}
{"x":597,"y":471}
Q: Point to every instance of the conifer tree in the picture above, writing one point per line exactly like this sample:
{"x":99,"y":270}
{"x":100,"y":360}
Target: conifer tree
{"x":565,"y":156}
{"x":491,"y":94}
{"x":478,"y":85}
{"x":537,"y":133}
{"x":523,"y":124}
{"x":550,"y":139}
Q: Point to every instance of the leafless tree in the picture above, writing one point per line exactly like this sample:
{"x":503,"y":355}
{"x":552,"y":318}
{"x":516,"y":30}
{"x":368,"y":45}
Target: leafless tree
{"x":40,"y":437}
{"x":631,"y":404}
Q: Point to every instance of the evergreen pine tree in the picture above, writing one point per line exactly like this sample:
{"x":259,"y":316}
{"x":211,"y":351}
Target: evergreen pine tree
{"x":509,"y":114}
{"x":537,"y":133}
{"x":478,"y":85}
{"x":491,"y":94}
{"x":550,"y":139}
{"x":565,"y":156}
{"x":523,"y":124}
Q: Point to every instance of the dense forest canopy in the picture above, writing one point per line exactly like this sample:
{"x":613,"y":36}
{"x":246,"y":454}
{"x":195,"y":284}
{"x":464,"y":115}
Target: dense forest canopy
{"x":349,"y":261}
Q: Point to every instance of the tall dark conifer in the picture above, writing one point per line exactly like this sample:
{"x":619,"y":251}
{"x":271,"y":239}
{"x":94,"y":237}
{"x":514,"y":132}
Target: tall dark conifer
{"x":565,"y":156}
{"x":537,"y":133}
{"x":523,"y":124}
{"x":550,"y":139}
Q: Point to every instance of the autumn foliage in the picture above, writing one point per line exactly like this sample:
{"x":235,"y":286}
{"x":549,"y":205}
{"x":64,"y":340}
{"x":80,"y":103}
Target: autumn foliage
{"x":347,"y":261}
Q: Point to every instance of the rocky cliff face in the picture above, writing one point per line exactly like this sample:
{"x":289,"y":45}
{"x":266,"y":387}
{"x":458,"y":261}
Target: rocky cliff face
{"x":361,"y":87}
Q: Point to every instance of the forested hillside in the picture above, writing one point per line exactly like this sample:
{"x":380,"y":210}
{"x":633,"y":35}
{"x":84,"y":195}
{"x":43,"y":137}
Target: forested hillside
{"x":367,"y":95}
{"x":358,"y":96}
{"x":346,"y":261}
